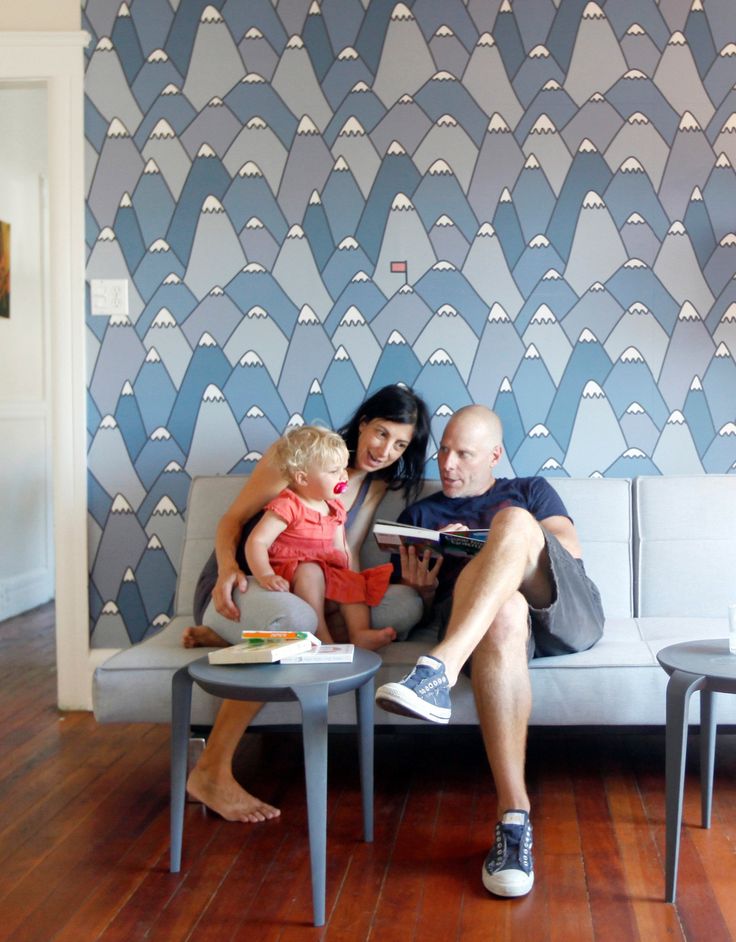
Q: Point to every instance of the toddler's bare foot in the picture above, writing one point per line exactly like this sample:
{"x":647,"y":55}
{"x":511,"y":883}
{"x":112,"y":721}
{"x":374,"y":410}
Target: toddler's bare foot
{"x":373,"y":639}
{"x":200,"y":636}
{"x":228,"y":799}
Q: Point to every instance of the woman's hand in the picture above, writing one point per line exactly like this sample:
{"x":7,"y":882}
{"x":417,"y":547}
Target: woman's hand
{"x":222,"y":594}
{"x":419,"y":572}
{"x":273,"y":583}
{"x":263,"y":485}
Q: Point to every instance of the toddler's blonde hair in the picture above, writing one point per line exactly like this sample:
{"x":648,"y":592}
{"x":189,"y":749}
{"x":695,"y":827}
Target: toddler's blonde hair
{"x":304,"y":446}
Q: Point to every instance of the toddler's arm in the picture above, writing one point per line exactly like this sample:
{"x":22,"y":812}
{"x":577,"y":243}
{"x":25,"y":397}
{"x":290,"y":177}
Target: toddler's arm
{"x":256,"y":552}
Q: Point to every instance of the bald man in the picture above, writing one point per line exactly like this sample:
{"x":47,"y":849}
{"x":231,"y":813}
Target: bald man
{"x":525,"y":594}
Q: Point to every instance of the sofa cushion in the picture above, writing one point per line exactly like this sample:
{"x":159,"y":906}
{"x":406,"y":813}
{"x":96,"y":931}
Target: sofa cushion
{"x":686,"y":556}
{"x":617,"y":682}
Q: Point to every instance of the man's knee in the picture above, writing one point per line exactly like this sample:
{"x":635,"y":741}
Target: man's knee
{"x":518,"y":521}
{"x":510,"y":627}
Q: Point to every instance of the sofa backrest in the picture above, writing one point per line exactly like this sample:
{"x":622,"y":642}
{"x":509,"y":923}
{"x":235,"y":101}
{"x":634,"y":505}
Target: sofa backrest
{"x":601,"y":510}
{"x":209,"y":497}
{"x":686,"y":544}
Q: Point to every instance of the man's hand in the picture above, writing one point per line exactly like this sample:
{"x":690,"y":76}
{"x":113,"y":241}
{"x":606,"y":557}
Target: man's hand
{"x":273,"y":583}
{"x":222,"y":594}
{"x":418,"y":572}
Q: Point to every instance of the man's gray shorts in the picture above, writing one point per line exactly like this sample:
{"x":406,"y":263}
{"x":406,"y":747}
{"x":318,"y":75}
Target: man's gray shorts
{"x":574,"y":619}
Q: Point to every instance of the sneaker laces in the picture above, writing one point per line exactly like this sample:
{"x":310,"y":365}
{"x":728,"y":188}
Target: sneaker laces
{"x":425,"y":667}
{"x":512,"y":840}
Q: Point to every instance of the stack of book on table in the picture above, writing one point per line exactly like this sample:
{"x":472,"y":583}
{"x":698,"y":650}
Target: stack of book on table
{"x":284,"y":647}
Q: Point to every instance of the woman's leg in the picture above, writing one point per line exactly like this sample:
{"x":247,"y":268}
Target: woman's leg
{"x":211,"y":780}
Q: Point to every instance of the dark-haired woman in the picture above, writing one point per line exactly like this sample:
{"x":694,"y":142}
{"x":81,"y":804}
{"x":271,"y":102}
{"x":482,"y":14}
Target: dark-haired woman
{"x":387,"y":440}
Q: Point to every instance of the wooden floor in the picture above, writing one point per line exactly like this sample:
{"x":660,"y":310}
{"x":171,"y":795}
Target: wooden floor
{"x":84,"y":834}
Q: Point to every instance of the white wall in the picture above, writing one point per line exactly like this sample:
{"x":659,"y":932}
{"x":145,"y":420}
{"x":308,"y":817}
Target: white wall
{"x":40,"y":14}
{"x":26,"y":548}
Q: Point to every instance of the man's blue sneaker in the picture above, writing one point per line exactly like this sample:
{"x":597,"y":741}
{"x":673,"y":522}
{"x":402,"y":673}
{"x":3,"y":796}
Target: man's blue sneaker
{"x":508,"y":870}
{"x":424,"y":692}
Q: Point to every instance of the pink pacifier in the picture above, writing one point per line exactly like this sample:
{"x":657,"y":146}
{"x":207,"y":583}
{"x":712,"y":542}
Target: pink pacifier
{"x":340,"y":487}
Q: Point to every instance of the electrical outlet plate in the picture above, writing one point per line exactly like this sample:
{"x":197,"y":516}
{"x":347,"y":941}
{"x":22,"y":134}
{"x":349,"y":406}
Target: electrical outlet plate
{"x":109,"y":297}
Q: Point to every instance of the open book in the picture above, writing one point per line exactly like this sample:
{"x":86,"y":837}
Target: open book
{"x":390,"y":536}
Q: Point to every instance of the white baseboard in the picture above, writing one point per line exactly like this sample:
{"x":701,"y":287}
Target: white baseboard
{"x":21,"y":593}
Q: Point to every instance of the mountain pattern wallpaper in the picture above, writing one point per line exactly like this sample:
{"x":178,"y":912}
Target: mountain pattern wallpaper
{"x":525,"y":203}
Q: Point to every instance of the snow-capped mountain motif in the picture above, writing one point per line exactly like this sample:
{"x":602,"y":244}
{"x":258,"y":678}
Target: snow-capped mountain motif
{"x":525,"y":205}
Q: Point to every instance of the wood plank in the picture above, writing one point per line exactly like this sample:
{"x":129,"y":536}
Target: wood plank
{"x":115,"y":887}
{"x":400,"y":896}
{"x":559,"y":862}
{"x":92,"y":802}
{"x":75,"y":800}
{"x":613,"y":916}
{"x":641,"y":864}
{"x":353,"y":892}
{"x":94,"y":843}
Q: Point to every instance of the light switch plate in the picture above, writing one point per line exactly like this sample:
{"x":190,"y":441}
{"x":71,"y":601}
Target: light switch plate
{"x":109,"y":297}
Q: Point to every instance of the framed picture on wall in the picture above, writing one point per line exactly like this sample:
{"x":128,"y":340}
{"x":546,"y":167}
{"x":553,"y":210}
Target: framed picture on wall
{"x":4,"y":269}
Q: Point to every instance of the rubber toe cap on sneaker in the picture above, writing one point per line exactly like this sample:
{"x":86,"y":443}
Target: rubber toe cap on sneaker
{"x":508,"y":882}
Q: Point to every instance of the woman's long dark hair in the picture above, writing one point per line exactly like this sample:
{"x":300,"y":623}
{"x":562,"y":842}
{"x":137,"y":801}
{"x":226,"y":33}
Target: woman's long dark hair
{"x":395,"y":404}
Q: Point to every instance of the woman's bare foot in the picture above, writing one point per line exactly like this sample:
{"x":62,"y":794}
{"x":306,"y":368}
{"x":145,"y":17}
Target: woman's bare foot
{"x":373,"y":638}
{"x":227,"y":798}
{"x":200,"y":636}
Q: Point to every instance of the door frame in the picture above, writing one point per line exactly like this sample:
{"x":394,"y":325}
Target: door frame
{"x":55,"y":59}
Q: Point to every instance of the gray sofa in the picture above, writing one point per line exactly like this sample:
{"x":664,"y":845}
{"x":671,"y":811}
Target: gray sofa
{"x":661,"y":549}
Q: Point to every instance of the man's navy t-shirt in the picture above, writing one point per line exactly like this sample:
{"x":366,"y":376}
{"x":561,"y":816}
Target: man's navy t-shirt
{"x":534,"y":494}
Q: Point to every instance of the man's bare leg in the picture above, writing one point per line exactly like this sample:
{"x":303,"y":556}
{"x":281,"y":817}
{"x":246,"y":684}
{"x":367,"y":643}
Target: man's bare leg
{"x":212,"y":782}
{"x":512,"y":560}
{"x":503,"y":699}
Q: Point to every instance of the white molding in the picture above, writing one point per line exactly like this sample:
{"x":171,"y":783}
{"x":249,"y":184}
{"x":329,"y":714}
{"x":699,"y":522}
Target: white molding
{"x":75,"y":39}
{"x":21,"y":593}
{"x":56,"y":59}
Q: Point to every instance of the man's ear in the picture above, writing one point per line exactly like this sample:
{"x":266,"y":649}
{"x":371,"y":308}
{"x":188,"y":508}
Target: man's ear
{"x":496,"y":453}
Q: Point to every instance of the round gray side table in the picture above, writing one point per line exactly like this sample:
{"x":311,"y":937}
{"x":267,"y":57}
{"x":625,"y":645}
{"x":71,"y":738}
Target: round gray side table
{"x":312,"y":686}
{"x":709,"y":667}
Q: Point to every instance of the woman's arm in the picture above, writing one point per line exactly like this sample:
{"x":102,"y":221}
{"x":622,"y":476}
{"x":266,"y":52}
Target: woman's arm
{"x":264,"y":483}
{"x":256,"y":552}
{"x":363,"y":522}
{"x":340,"y":542}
